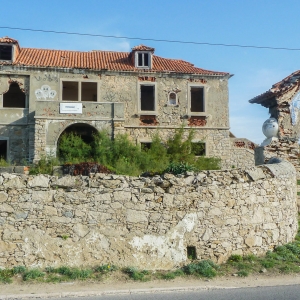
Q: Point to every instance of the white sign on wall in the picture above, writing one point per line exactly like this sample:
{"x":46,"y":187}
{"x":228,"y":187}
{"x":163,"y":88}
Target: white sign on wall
{"x":70,"y":108}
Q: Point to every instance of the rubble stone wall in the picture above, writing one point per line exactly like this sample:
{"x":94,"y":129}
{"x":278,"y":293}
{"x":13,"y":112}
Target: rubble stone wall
{"x":145,"y":222}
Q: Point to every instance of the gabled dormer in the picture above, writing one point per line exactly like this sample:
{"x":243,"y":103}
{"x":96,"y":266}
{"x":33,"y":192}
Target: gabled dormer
{"x":142,"y":56}
{"x":9,"y":50}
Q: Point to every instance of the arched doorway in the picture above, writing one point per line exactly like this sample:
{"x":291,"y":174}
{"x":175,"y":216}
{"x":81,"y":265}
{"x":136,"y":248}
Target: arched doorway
{"x":76,"y":139}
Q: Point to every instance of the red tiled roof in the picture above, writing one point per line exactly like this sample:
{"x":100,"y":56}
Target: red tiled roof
{"x":143,"y":48}
{"x":278,"y":89}
{"x":8,"y":40}
{"x":101,"y":60}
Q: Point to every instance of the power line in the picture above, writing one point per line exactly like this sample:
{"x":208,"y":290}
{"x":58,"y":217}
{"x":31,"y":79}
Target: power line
{"x":154,"y":40}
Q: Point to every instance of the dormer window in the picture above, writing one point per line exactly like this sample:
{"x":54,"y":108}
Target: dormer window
{"x":6,"y":52}
{"x":142,"y":56}
{"x":143,"y":59}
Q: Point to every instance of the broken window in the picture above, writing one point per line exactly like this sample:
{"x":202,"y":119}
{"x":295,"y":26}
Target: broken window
{"x":197,"y":99}
{"x":79,"y":91}
{"x":172,"y":99}
{"x":14,"y":97}
{"x":143,"y":59}
{"x":5,"y":52}
{"x":147,"y":94}
{"x":198,"y":148}
{"x":3,"y":149}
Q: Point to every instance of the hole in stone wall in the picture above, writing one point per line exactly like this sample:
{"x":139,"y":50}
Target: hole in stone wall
{"x":191,"y":252}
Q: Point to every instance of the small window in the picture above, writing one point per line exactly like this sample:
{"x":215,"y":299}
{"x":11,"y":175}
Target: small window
{"x":79,"y":91}
{"x":198,"y":148}
{"x":147,"y":97}
{"x":3,"y":149}
{"x":145,"y":146}
{"x":14,"y":97}
{"x":191,"y":252}
{"x":197,"y":99}
{"x":5,"y":52}
{"x":172,"y":98}
{"x":143,"y":59}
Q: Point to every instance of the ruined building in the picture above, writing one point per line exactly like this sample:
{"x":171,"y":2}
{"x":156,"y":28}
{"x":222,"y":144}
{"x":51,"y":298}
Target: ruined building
{"x":283,"y":102}
{"x":44,"y":93}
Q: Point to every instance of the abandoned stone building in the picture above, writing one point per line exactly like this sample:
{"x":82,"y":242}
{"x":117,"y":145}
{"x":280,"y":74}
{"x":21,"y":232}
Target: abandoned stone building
{"x":44,"y":93}
{"x":283,"y":102}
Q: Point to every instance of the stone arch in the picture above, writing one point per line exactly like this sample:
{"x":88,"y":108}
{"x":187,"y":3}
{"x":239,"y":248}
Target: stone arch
{"x":84,"y":130}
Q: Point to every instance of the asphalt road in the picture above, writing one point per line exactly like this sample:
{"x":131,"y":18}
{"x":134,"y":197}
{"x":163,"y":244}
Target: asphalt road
{"x":286,"y":292}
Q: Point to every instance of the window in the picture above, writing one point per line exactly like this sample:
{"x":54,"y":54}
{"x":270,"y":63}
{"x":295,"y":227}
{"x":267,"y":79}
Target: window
{"x":14,"y":97}
{"x":3,"y":149}
{"x":172,"y":98}
{"x":79,"y":91}
{"x":196,"y":100}
{"x":143,"y":60}
{"x":198,"y":148}
{"x":147,"y":98}
{"x":145,"y":146}
{"x":5,"y":52}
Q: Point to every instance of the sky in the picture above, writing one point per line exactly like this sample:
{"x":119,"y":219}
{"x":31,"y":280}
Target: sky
{"x":271,"y":23}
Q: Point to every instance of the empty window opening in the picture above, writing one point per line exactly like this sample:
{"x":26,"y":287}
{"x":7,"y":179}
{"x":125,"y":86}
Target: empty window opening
{"x":14,"y":97}
{"x":198,"y":148}
{"x":143,"y":59}
{"x":3,"y":149}
{"x":172,"y":99}
{"x":146,"y":146}
{"x":5,"y":52}
{"x":70,"y":91}
{"x":89,"y":91}
{"x":148,"y":97}
{"x":197,"y":99}
{"x":191,"y":252}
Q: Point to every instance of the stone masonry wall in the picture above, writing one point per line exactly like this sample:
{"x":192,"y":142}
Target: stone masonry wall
{"x":145,"y":222}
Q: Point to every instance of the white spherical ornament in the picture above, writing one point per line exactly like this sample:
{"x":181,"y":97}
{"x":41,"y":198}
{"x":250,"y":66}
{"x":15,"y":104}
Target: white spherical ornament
{"x":270,"y":128}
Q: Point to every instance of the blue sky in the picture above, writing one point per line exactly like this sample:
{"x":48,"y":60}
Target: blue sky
{"x":247,"y":22}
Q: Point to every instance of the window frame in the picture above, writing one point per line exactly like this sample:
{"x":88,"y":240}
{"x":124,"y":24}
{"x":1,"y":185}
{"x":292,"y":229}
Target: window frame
{"x":201,"y":142}
{"x":22,"y":108}
{"x":195,"y":113}
{"x":79,"y":81}
{"x":146,"y":112}
{"x":136,"y":59}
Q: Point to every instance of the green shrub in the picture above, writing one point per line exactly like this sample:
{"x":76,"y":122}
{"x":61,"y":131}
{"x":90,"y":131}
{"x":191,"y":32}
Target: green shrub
{"x":6,"y":275}
{"x":135,"y":274}
{"x":19,"y":270}
{"x":33,"y":274}
{"x":205,"y":268}
{"x":243,"y":273}
{"x":4,"y":163}
{"x":44,"y":165}
{"x":179,"y":168}
{"x":73,"y":149}
{"x":235,"y":258}
{"x":106,"y":268}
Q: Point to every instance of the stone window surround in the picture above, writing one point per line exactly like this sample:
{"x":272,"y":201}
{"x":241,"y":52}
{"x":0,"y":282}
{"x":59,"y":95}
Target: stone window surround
{"x":147,"y":112}
{"x":176,"y":99}
{"x":205,"y":146}
{"x":79,"y":80}
{"x":136,"y":59}
{"x":190,"y":113}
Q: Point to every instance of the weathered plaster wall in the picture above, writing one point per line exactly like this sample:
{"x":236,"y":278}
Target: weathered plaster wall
{"x":145,"y":222}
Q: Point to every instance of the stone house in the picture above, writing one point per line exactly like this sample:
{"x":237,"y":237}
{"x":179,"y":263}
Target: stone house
{"x":44,"y":93}
{"x":283,"y":102}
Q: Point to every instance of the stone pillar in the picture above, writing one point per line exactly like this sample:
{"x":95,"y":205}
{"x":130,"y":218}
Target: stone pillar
{"x":259,"y":155}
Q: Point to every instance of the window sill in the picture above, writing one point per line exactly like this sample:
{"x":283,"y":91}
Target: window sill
{"x":147,"y":113}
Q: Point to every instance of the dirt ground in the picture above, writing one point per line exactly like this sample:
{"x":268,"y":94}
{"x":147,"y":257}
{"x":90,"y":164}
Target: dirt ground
{"x":111,"y":285}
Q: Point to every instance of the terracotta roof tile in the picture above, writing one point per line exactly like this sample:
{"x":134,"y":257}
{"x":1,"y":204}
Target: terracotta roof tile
{"x":278,"y":89}
{"x":143,"y":48}
{"x":102,"y":60}
{"x":8,"y":40}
